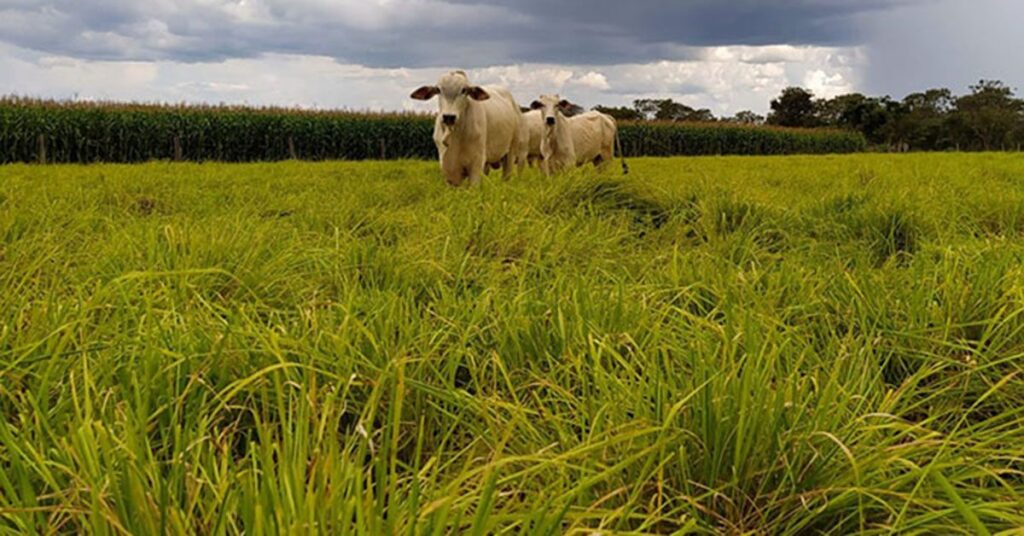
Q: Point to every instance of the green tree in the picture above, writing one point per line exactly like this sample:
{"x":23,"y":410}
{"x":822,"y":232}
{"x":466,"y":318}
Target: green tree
{"x":670,"y":110}
{"x":989,"y":118}
{"x":921,"y":120}
{"x":869,"y":116}
{"x":746,"y":117}
{"x":831,"y":112}
{"x":793,"y":108}
{"x":621,"y":113}
{"x":655,"y":108}
{"x":854,"y":111}
{"x":702,"y":115}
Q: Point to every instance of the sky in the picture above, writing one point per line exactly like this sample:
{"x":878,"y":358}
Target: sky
{"x":725,"y":55}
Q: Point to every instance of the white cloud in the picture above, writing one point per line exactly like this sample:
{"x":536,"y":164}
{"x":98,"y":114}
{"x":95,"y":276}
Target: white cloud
{"x":594,"y":80}
{"x":724,"y":79}
{"x":825,"y":84}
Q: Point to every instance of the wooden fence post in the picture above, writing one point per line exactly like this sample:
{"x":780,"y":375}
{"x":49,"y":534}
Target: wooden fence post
{"x":291,"y":149}
{"x":383,"y":150}
{"x":41,"y":151}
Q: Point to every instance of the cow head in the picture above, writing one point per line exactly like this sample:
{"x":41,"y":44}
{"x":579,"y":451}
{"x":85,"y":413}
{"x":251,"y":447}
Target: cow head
{"x":455,"y":95}
{"x":551,"y":106}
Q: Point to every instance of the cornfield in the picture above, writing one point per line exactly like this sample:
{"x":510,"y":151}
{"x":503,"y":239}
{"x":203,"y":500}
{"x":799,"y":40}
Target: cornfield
{"x":702,"y":139}
{"x":84,"y":132}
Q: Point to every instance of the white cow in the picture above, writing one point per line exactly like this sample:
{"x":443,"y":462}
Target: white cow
{"x":531,"y":133}
{"x":574,"y":141}
{"x":477,"y":128}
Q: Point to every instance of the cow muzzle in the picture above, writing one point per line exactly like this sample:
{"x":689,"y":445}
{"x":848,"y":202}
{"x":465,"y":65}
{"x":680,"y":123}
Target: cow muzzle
{"x":551,"y":121}
{"x":448,"y":119}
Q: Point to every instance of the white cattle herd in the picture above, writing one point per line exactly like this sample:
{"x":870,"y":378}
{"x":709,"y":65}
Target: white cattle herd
{"x":482,"y":128}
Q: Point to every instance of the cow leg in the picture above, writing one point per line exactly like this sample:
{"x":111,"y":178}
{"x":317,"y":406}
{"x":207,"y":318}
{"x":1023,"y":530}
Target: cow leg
{"x":604,"y":158}
{"x":558,"y":165}
{"x":475,"y":172}
{"x":507,"y":164}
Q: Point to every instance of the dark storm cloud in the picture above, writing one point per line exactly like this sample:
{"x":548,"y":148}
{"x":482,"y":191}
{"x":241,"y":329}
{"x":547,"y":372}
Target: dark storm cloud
{"x":950,"y":44}
{"x":418,"y":33}
{"x":706,"y":22}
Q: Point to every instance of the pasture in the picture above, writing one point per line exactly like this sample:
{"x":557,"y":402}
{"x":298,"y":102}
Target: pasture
{"x":717,"y":345}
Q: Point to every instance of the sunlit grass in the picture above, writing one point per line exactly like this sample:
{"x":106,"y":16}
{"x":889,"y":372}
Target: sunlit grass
{"x":805,"y":345}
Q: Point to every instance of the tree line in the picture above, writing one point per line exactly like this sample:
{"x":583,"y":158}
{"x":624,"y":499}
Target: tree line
{"x":988,"y":118}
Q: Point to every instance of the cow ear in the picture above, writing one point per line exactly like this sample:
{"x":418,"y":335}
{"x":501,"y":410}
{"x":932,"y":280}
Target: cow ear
{"x":564,"y":104}
{"x":477,"y":93}
{"x":536,"y":105}
{"x":425,"y":93}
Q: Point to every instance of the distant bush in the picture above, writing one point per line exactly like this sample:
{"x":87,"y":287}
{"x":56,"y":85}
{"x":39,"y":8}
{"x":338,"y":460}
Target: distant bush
{"x":82,"y":132}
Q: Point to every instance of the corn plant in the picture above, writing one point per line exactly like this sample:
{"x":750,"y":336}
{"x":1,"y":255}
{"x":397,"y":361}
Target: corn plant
{"x":85,"y":132}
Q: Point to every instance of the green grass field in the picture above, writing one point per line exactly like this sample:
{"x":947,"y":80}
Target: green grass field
{"x":787,"y":345}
